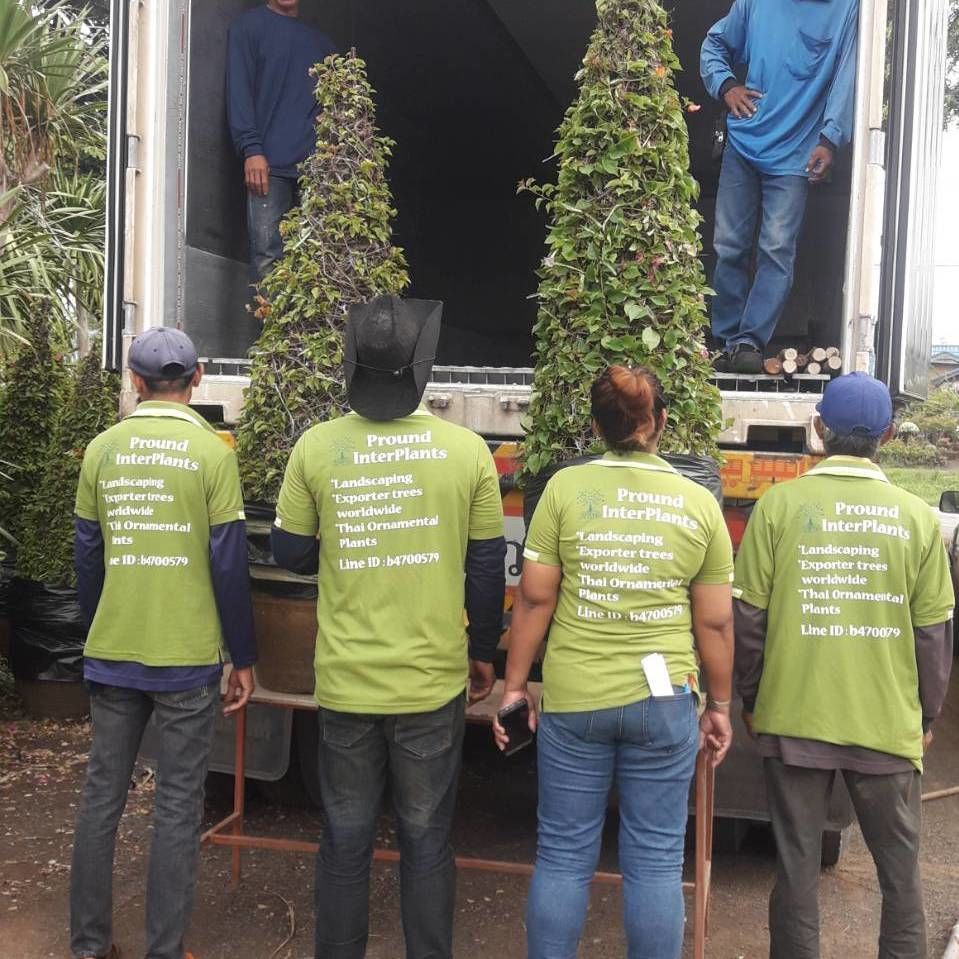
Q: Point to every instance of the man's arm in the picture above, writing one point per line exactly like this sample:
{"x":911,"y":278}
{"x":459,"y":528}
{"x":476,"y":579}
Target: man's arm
{"x":88,"y":560}
{"x":934,"y":660}
{"x":723,"y":48}
{"x":298,"y":554}
{"x":485,"y":589}
{"x":840,"y":102}
{"x":229,"y":568}
{"x":241,"y":110}
{"x":241,"y":93}
{"x":750,"y":628}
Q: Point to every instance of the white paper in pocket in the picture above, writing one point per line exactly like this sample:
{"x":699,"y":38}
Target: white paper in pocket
{"x":657,"y":675}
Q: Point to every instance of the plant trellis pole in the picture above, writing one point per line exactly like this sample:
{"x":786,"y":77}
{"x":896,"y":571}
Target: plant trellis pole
{"x":337,"y":252}
{"x":621,"y":281}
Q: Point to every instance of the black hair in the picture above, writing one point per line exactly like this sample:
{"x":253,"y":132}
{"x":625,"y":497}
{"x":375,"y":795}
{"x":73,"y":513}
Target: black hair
{"x":852,"y":444}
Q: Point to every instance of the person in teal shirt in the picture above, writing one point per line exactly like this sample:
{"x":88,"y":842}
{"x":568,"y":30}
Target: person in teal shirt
{"x":843,"y":602}
{"x":785,"y":124}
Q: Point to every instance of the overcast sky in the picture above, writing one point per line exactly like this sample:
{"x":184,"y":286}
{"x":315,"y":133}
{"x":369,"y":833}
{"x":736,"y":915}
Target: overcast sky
{"x":946,"y":302}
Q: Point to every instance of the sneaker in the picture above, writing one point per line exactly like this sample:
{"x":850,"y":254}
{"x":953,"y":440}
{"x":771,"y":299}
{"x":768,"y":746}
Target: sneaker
{"x":721,"y":362}
{"x":746,"y":359}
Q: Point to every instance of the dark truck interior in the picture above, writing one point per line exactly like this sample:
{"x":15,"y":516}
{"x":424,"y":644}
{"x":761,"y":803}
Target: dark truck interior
{"x":472,"y":91}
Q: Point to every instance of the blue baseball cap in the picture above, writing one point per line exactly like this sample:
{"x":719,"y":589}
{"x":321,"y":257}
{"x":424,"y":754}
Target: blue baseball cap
{"x":856,"y":404}
{"x":162,"y":353}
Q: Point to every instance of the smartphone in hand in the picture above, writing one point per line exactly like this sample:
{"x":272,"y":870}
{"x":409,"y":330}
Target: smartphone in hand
{"x":515,"y":720}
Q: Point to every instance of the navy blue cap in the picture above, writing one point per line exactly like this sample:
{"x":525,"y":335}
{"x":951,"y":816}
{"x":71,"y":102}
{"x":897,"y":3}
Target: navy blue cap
{"x":162,"y":353}
{"x":856,"y":404}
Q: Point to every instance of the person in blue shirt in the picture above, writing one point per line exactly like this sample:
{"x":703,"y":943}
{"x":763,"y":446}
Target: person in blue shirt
{"x":271,"y":108}
{"x":785,"y":125}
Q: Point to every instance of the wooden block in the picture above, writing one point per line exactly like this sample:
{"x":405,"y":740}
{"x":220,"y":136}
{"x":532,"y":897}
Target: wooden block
{"x":773,"y":366}
{"x":832,"y":351}
{"x":833,"y":364}
{"x":789,"y":367}
{"x":817,"y":354}
{"x":788,"y":354}
{"x":813,"y":368}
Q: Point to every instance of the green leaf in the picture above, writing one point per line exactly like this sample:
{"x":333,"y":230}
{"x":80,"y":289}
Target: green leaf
{"x":650,"y":338}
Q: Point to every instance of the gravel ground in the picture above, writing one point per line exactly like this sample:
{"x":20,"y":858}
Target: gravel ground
{"x":269,"y":917}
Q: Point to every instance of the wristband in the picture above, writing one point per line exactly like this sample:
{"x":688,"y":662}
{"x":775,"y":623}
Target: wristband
{"x":717,"y":706}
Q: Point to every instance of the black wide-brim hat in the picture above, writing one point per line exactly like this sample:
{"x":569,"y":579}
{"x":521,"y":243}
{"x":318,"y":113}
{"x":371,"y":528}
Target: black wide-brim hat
{"x":388,"y":354}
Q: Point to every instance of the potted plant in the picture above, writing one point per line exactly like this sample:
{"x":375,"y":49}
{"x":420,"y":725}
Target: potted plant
{"x":622,"y":281}
{"x":337,"y":252}
{"x":48,"y":629}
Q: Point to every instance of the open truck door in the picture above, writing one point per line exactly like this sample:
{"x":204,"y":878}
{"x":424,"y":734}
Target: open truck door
{"x":913,"y":148}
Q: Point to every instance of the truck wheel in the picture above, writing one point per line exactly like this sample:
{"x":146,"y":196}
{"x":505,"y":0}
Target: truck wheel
{"x":831,"y":847}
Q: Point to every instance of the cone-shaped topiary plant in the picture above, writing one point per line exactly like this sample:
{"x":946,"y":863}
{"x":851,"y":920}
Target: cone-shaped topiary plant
{"x":338,"y":252}
{"x":91,"y":400}
{"x":31,"y":399}
{"x":622,"y":281}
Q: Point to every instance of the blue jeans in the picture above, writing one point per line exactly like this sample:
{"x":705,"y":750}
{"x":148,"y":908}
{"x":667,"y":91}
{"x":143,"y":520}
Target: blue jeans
{"x":419,"y":754}
{"x":185,"y":723}
{"x":648,"y":749}
{"x":263,"y":216}
{"x":744,"y":313}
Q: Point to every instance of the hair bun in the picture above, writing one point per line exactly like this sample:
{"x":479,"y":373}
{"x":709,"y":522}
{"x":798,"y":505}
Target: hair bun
{"x":625,"y":403}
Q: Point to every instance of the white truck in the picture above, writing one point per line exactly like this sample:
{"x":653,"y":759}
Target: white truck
{"x":472,"y":92}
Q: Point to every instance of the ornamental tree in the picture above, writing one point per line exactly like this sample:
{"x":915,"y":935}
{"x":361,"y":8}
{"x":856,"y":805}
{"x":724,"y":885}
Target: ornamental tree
{"x":31,"y":398}
{"x":337,"y":252}
{"x":622,"y":281}
{"x":91,"y":398}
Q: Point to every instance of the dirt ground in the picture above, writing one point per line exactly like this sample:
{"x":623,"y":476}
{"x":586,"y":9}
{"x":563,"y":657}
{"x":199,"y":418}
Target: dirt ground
{"x":270,"y":916}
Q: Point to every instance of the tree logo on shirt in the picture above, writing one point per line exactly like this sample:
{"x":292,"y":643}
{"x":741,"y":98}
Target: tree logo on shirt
{"x":591,"y":500}
{"x":811,"y":516}
{"x":342,"y":451}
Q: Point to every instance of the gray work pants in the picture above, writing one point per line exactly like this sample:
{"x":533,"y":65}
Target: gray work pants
{"x":889,"y":811}
{"x":185,"y":723}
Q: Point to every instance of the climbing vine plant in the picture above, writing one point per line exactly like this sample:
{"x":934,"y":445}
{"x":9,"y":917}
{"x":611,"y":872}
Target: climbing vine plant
{"x":622,"y":281}
{"x":338,"y":251}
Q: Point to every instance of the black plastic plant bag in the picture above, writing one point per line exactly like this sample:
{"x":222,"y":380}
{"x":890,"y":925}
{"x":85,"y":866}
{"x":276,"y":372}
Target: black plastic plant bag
{"x":48,"y":632}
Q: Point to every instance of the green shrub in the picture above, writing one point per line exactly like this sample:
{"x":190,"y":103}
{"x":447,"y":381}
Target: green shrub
{"x":622,"y":281}
{"x":937,"y":417}
{"x":917,"y":452}
{"x":31,"y":400}
{"x":90,"y":405}
{"x":338,"y":252}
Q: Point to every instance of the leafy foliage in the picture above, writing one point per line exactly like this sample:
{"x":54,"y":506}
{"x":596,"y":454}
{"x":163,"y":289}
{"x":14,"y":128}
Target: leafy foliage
{"x":337,"y":252}
{"x":928,"y":433}
{"x":622,"y":281}
{"x":952,"y":65}
{"x":910,"y":452}
{"x":31,"y":400}
{"x":52,"y":148}
{"x":90,"y":404}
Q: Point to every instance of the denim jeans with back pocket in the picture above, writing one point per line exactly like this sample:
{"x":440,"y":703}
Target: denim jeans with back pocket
{"x":185,"y":724}
{"x":648,"y":750}
{"x":419,"y":755}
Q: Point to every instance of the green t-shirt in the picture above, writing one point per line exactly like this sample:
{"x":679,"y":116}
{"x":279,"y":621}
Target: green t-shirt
{"x":847,"y":566}
{"x":393,"y":504}
{"x":631,"y":535}
{"x":156,"y":483}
